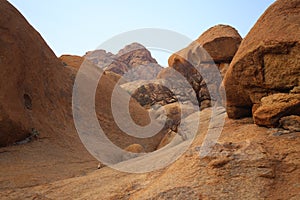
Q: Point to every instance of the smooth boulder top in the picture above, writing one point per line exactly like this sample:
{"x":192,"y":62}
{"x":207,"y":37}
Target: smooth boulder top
{"x":221,"y":42}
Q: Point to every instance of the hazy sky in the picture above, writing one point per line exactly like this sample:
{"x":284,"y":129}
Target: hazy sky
{"x":77,"y":26}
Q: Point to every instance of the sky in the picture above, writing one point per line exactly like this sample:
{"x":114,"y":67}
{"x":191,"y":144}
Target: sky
{"x":76,"y":26}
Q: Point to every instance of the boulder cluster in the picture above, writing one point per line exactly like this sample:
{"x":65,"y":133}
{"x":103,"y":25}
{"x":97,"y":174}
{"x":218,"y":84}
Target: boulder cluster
{"x":260,"y":74}
{"x":255,"y":155}
{"x":263,"y":79}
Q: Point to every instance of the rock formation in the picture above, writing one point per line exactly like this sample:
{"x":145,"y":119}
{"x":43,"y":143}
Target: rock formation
{"x":133,"y":62}
{"x":39,"y":94}
{"x":150,"y":93}
{"x":134,"y":55}
{"x":31,"y":80}
{"x":184,"y":83}
{"x":246,"y":162}
{"x":274,"y":107}
{"x":266,"y":63}
{"x":196,"y":63}
{"x":221,"y":42}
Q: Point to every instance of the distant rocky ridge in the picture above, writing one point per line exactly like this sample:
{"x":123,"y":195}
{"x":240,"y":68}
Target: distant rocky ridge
{"x":133,"y":62}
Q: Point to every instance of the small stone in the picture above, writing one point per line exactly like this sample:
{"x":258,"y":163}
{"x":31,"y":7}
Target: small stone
{"x":135,"y":148}
{"x":291,"y":123}
{"x":276,"y":106}
{"x":282,"y":132}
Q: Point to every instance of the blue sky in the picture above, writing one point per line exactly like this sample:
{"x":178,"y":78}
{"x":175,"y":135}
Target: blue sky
{"x":76,"y":26}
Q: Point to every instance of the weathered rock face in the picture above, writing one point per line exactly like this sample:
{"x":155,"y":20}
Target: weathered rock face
{"x":275,"y":106}
{"x":200,"y":67}
{"x":150,"y":94}
{"x":134,"y":62}
{"x":38,"y":97}
{"x":164,"y":98}
{"x":221,"y":42}
{"x":106,"y":61}
{"x":171,"y":115}
{"x":100,"y":57}
{"x":160,"y":91}
{"x":267,"y":61}
{"x":30,"y":79}
{"x":134,"y":55}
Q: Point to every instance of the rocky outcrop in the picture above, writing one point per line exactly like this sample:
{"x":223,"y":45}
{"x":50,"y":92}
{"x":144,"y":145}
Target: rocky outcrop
{"x":275,"y":106}
{"x":101,"y":58}
{"x":133,"y":62}
{"x":246,"y":162}
{"x":221,"y":42}
{"x":38,"y":97}
{"x":106,"y":61}
{"x":201,"y":62}
{"x":31,"y":99}
{"x":151,"y":94}
{"x":267,"y":61}
{"x":161,"y":91}
{"x":134,"y":55}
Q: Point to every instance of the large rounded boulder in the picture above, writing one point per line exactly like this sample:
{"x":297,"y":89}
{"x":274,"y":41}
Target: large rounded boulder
{"x":36,"y":91}
{"x":221,"y":42}
{"x":267,"y":61}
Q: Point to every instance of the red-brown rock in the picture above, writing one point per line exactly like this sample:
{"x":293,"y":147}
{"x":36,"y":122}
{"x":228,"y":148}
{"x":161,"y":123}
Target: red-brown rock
{"x":133,"y":58}
{"x":36,"y":90}
{"x":275,"y":106}
{"x":221,"y":42}
{"x":203,"y":60}
{"x":267,"y":61}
